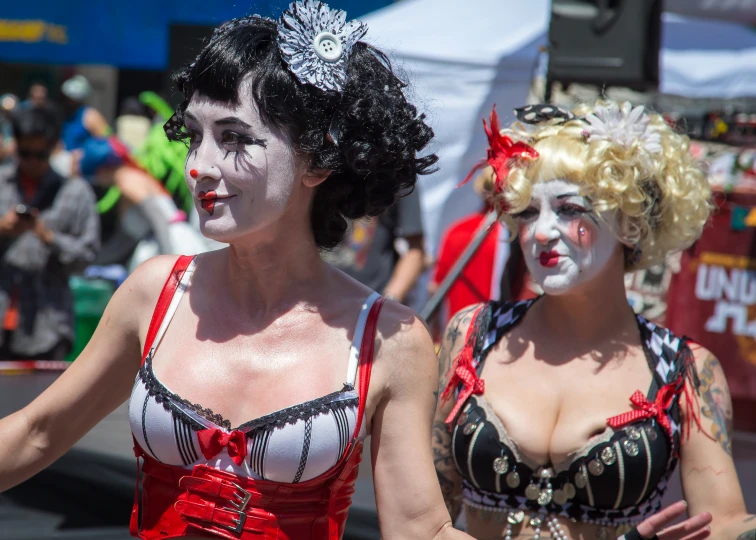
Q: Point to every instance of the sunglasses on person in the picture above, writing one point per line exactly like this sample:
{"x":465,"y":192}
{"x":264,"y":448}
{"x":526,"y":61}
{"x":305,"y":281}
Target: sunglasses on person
{"x":40,"y":155}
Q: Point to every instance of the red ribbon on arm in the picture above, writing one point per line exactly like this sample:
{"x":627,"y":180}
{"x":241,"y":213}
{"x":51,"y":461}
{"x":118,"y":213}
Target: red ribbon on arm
{"x":647,"y":409}
{"x":213,"y":440}
{"x":502,"y":152}
{"x":466,"y":375}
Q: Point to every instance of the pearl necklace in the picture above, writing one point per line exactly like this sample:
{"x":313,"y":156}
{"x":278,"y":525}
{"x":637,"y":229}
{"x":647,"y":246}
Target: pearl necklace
{"x":555,"y":528}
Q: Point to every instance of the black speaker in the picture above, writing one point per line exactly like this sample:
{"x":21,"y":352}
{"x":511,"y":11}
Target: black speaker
{"x":605,"y":42}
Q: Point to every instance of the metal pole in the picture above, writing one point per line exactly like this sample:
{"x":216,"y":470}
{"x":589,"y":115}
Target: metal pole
{"x":480,"y":234}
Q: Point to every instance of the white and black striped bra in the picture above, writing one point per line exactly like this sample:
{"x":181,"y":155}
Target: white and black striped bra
{"x":290,"y":445}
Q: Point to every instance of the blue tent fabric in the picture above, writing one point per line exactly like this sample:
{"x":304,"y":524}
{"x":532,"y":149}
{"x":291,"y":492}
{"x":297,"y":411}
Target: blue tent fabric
{"x":129,"y":34}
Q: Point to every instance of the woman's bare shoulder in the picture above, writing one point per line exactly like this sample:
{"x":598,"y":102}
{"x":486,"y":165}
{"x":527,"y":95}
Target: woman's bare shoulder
{"x":401,"y":329}
{"x":141,"y":290}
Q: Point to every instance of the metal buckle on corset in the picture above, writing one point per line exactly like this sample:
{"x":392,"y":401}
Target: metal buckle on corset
{"x":239,"y":502}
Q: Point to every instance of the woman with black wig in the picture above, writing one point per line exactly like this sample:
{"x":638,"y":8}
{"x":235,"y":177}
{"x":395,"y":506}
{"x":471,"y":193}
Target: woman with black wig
{"x":294,"y":127}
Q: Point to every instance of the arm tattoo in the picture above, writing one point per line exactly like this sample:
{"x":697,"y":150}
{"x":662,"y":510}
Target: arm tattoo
{"x":444,"y":464}
{"x":750,"y":535}
{"x":716,"y":405}
{"x":453,"y":333}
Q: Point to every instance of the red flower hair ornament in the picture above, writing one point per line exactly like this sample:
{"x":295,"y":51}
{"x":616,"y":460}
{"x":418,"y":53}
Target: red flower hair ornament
{"x":502,"y":153}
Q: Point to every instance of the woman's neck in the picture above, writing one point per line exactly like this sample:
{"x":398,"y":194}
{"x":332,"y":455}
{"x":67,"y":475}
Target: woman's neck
{"x":275,"y":271}
{"x":596,"y":312}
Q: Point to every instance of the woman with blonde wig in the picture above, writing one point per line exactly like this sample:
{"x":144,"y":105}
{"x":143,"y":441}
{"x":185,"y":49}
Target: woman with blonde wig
{"x":565,"y":416}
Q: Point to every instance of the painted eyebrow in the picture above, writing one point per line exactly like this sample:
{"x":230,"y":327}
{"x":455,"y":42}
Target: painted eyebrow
{"x":228,"y":121}
{"x":568,"y":195}
{"x":232,"y":121}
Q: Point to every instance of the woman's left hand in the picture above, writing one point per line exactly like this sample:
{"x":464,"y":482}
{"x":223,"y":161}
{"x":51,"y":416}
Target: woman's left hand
{"x":655,"y":527}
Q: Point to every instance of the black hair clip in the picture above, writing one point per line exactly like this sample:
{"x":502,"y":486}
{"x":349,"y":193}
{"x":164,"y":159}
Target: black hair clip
{"x":535,"y":114}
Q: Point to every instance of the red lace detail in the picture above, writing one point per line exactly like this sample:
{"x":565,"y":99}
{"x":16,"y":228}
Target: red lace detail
{"x":502,"y":152}
{"x":465,"y":373}
{"x":647,"y":409}
{"x":691,"y":383}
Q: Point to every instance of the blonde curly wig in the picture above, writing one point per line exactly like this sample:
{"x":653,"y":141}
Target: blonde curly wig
{"x":662,"y":199}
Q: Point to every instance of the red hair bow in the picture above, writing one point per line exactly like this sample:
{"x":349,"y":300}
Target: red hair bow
{"x":213,"y":440}
{"x":502,"y":152}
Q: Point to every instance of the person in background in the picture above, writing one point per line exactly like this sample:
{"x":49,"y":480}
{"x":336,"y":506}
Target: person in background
{"x":133,"y":124}
{"x":37,"y":98}
{"x":145,"y":206}
{"x":480,"y":279}
{"x":8,"y":102}
{"x":81,"y":121}
{"x":49,"y":229}
{"x":385,"y":252}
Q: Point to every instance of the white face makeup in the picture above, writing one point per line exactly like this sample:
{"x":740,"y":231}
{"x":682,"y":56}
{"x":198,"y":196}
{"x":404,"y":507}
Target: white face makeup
{"x":242,"y":172}
{"x":564,"y":243}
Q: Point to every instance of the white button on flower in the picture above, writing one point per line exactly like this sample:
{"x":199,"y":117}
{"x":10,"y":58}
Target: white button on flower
{"x":328,"y":47}
{"x":316,"y":41}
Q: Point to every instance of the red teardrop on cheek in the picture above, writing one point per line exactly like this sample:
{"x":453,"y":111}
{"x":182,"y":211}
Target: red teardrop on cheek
{"x":584,"y":238}
{"x":193,"y":173}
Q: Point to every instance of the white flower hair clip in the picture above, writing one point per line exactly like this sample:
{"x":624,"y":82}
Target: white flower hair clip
{"x":623,"y":125}
{"x":315,"y":42}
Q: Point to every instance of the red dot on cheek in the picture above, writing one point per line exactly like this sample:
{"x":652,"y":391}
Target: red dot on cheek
{"x":193,"y":173}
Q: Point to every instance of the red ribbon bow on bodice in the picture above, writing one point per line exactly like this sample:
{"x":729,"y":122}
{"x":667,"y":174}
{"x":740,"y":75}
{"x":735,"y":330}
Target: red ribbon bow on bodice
{"x":213,"y":440}
{"x":466,"y":375}
{"x":647,"y":409}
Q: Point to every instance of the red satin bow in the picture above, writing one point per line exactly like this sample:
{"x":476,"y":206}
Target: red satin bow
{"x":647,"y":409}
{"x":213,"y":440}
{"x":464,"y":374}
{"x":502,"y":151}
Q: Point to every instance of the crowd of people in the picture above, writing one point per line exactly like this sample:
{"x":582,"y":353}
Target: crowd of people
{"x":254,"y":374}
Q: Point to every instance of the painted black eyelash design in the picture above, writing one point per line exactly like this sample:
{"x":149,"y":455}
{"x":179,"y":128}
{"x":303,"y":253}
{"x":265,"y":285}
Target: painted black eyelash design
{"x":242,"y":141}
{"x":245,"y":139}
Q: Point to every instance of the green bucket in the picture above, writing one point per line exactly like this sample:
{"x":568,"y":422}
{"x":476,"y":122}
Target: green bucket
{"x":90,"y":297}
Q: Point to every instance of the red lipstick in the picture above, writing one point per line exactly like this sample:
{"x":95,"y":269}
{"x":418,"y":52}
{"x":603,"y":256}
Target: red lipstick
{"x":207,"y":201}
{"x":549,"y":259}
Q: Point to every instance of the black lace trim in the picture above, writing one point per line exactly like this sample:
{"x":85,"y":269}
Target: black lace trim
{"x":302,"y":411}
{"x":269,"y":422}
{"x":169,"y":400}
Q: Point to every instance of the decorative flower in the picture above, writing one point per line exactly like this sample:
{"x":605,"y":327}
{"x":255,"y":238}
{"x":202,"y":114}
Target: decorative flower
{"x":315,"y":42}
{"x":623,"y":126}
{"x":502,"y":152}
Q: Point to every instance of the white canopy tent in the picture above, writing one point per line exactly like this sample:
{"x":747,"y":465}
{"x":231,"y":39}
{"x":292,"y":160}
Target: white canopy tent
{"x":462,"y":57}
{"x":705,"y":58}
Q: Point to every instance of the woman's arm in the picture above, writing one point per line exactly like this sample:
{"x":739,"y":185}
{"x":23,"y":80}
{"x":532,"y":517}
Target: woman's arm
{"x":409,"y":500}
{"x":95,"y":123}
{"x":448,"y":477}
{"x":96,"y":383}
{"x":710,"y":481}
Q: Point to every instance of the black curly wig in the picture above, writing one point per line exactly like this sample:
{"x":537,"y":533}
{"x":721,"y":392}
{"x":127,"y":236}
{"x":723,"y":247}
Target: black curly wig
{"x":368,"y":135}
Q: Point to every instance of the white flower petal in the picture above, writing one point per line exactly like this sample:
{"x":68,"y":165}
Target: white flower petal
{"x":297,"y":30}
{"x":339,"y":21}
{"x":623,"y":125}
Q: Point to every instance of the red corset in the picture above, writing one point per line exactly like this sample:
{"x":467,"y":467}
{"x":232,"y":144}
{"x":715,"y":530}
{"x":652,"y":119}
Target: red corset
{"x":207,"y":502}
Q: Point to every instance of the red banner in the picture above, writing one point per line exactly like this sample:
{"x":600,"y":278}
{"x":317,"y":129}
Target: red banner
{"x":713,"y":298}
